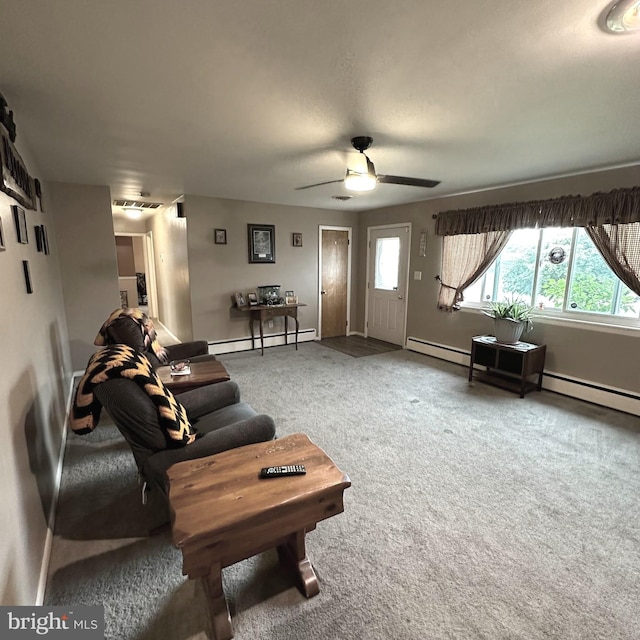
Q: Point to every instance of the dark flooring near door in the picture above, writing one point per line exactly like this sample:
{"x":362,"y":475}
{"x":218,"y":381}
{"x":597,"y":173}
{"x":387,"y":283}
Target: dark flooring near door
{"x":357,"y":346}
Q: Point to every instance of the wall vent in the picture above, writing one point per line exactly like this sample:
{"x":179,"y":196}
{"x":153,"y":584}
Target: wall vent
{"x":137,"y":204}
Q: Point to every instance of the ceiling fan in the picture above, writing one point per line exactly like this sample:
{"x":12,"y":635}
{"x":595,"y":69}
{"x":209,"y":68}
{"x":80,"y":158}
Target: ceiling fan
{"x":363,"y":177}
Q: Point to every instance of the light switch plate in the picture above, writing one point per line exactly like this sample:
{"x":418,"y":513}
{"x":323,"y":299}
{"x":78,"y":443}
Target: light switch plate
{"x":417,"y":275}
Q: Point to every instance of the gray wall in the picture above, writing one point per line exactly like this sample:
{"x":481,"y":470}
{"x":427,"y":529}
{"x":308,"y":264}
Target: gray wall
{"x":88,"y":265}
{"x":601,"y":357}
{"x":217,"y":271}
{"x":34,"y":386}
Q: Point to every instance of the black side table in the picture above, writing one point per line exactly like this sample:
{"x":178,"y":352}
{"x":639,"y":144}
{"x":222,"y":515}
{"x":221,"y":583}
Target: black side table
{"x":509,"y":366}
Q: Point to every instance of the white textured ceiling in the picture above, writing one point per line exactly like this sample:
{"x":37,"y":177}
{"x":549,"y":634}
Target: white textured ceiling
{"x":249,"y":99}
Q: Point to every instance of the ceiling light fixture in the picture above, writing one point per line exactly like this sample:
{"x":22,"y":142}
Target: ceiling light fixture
{"x":133,"y":212}
{"x":363,"y":175}
{"x":624,"y":17}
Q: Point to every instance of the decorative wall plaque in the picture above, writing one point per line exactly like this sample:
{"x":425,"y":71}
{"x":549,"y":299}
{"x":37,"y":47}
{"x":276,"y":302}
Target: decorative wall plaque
{"x":15,"y":179}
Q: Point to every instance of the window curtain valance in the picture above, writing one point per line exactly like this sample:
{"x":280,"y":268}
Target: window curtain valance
{"x":621,"y":206}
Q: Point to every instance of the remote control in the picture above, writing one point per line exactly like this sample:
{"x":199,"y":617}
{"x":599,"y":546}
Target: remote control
{"x":278,"y":472}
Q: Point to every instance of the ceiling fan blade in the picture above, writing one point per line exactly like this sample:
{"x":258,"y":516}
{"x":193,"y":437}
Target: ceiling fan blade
{"x":409,"y":182}
{"x":318,"y":184}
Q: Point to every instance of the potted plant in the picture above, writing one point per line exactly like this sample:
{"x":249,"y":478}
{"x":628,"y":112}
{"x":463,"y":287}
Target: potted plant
{"x":511,"y":318}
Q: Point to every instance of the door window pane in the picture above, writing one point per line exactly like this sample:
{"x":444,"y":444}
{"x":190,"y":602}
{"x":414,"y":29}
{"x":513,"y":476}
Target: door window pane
{"x":387,"y":263}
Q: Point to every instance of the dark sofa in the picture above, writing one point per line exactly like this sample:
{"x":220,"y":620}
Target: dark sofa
{"x":215,"y":410}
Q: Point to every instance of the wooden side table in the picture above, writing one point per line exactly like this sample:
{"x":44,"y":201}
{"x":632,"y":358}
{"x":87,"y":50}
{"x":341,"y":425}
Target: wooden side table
{"x":262,"y":312}
{"x":509,"y":366}
{"x":202,"y":373}
{"x":222,"y":512}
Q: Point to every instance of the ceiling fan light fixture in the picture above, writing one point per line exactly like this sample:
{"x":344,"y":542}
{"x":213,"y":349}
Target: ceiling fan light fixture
{"x":355,"y":181}
{"x":624,"y":16}
{"x":362,"y":175}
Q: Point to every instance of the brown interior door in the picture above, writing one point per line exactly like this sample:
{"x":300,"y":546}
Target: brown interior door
{"x":335,"y":255}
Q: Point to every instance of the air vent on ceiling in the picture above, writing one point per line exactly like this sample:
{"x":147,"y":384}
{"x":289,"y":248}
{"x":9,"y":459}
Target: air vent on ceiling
{"x":137,"y":204}
{"x":343,"y":198}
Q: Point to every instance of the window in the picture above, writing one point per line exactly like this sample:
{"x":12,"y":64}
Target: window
{"x":558,"y":270}
{"x":387,"y":263}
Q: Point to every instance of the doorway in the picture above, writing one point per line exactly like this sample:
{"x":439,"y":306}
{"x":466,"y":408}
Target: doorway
{"x":334,"y":298}
{"x":136,"y":271}
{"x":387,"y":282}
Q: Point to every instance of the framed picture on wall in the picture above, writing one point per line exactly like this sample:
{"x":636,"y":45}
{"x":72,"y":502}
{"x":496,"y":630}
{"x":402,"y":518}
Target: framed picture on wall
{"x":296,"y":239}
{"x":2,"y":245}
{"x":220,"y":236}
{"x":37,"y":229}
{"x":21,"y":224}
{"x":262,"y":243}
{"x":45,"y":239}
{"x":27,"y":276}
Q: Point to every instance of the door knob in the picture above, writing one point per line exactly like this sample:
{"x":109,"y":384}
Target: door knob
{"x":323,"y":292}
{"x":400,"y":297}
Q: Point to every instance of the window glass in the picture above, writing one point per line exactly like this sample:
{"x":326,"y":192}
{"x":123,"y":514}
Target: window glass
{"x":628,"y":304}
{"x":555,"y":257}
{"x":568,"y":272}
{"x":387,"y":263}
{"x":515,"y":273}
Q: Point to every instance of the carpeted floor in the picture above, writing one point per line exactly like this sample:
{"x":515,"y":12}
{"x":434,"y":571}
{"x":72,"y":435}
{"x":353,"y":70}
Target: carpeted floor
{"x":473,"y":514}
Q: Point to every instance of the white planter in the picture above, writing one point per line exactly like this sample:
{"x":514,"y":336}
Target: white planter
{"x":507,"y":331}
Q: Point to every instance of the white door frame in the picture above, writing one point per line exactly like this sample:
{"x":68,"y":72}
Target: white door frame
{"x":406,"y":280}
{"x":149,"y":266}
{"x":349,"y":231}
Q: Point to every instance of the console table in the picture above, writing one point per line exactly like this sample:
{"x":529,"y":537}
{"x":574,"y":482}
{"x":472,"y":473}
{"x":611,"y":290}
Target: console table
{"x":261,"y":312}
{"x":508,"y":365}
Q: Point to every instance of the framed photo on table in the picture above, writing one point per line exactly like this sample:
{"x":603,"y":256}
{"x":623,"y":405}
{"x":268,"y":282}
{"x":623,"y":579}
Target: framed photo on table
{"x":240,"y":301}
{"x":262,"y":243}
{"x":252,"y":299}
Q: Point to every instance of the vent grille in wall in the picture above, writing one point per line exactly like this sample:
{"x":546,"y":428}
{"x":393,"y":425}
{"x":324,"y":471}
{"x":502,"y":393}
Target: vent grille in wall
{"x":137,"y":204}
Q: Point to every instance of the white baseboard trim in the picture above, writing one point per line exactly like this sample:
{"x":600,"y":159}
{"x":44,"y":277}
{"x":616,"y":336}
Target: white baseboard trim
{"x":357,"y":333}
{"x":218,"y":347}
{"x":171,"y":335}
{"x":604,"y":395}
{"x":51,"y":520}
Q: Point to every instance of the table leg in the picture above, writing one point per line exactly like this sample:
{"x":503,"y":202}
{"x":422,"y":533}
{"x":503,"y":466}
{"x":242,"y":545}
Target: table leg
{"x":261,"y":337}
{"x":293,"y":554}
{"x":218,"y":609}
{"x":251,"y":321}
{"x":297,"y":327}
{"x":286,"y":329}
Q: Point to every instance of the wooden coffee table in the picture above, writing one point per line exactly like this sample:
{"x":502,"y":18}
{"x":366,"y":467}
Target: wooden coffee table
{"x":222,"y":512}
{"x":202,"y":373}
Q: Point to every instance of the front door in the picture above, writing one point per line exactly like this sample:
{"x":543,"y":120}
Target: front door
{"x":387,"y":283}
{"x":334,"y":282}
